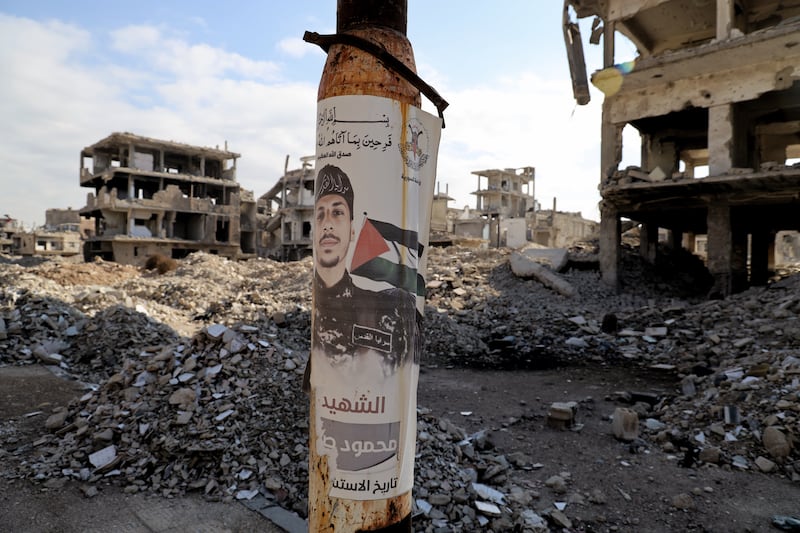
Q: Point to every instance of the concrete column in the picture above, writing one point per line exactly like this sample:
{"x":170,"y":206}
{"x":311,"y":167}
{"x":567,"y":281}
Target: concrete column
{"x":648,"y":243}
{"x":608,"y":44}
{"x":771,"y":252}
{"x":725,"y":18}
{"x":610,"y":238}
{"x":720,"y":139}
{"x":690,"y":241}
{"x":720,"y":248}
{"x":661,"y":154}
{"x":610,"y":146}
{"x":674,"y":239}
{"x":739,"y":255}
{"x":762,"y":248}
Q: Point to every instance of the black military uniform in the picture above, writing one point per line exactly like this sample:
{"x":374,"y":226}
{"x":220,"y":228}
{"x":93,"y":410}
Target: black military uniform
{"x":349,"y":320}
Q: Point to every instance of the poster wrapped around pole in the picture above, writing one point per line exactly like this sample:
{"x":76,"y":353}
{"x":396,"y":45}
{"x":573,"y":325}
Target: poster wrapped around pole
{"x":376,"y":154}
{"x":376,"y":161}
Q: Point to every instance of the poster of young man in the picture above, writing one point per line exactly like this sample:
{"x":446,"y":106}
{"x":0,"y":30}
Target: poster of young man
{"x":375,"y":164}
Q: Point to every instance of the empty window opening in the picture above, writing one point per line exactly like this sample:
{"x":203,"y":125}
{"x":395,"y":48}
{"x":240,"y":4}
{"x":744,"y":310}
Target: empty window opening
{"x":701,"y":171}
{"x":140,"y":228}
{"x":223,"y":229}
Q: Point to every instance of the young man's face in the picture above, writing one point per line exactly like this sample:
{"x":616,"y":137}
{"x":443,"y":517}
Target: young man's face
{"x":333,"y":230}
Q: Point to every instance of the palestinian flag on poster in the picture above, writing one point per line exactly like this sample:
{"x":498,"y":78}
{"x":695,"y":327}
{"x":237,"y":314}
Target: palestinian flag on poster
{"x":385,"y":252}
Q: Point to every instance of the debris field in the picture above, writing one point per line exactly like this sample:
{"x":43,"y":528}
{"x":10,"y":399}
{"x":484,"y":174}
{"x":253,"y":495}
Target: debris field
{"x":193,"y":376}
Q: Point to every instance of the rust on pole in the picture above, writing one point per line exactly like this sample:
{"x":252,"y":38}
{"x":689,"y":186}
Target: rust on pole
{"x":366,"y":340}
{"x":352,"y":71}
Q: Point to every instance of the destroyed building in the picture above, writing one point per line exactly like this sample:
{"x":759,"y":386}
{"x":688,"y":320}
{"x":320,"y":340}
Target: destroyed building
{"x":8,"y":228}
{"x":560,"y":229}
{"x":46,"y":241}
{"x":68,"y":220}
{"x":505,"y":213}
{"x":440,"y":221}
{"x":504,"y":199}
{"x":162,"y":197}
{"x":286,"y":214}
{"x":716,"y":84}
{"x":42,"y":242}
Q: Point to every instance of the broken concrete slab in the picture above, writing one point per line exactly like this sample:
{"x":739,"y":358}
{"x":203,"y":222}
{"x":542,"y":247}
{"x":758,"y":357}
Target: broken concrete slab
{"x":555,"y":258}
{"x":524,"y":266}
{"x":625,"y":424}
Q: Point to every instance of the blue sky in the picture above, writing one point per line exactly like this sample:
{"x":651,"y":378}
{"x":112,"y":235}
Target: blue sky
{"x":208,"y":73}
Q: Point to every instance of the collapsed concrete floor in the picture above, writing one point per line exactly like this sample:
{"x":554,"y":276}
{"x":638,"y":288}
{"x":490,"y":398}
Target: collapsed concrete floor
{"x":707,"y":378}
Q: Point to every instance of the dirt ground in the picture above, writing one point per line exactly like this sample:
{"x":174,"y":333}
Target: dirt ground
{"x":610,"y":486}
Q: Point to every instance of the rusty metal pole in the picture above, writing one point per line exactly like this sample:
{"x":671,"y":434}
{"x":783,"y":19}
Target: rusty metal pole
{"x":369,"y":56}
{"x":350,"y":71}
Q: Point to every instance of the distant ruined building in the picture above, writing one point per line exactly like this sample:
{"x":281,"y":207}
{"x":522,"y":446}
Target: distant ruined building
{"x":47,"y":243}
{"x":8,"y":228}
{"x":68,"y":220}
{"x":162,"y":197}
{"x":61,"y":238}
{"x":286,"y":214}
{"x":561,"y":229}
{"x":505,"y":214}
{"x":504,"y":205}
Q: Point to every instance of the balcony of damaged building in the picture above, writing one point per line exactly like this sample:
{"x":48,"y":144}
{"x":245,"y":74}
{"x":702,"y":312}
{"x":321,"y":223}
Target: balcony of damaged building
{"x":712,"y":99}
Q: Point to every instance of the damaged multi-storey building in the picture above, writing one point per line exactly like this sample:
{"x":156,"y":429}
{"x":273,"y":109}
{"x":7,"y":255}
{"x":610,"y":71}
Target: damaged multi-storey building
{"x":286,"y":214}
{"x":8,"y":228}
{"x":51,"y":240}
{"x":68,"y":219}
{"x":161,"y":197}
{"x":42,"y":242}
{"x":505,"y":214}
{"x":715,"y":84}
{"x":504,"y":203}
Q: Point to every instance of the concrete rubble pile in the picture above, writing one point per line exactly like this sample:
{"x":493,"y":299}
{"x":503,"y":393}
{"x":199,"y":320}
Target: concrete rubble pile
{"x":737,"y":360}
{"x":480,"y":315}
{"x":197,"y":375}
{"x":738,"y":401}
{"x":221,"y":414}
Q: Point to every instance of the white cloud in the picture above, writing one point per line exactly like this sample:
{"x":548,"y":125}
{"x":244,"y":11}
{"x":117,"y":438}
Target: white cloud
{"x":297,"y":48}
{"x":199,"y":21}
{"x":135,"y":38}
{"x":517,"y":122}
{"x":55,"y":101}
{"x":192,"y":61}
